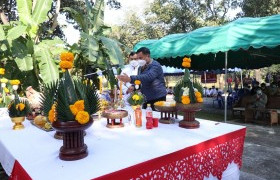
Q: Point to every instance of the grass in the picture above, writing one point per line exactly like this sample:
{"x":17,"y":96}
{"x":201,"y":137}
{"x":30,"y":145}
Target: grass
{"x":212,"y":116}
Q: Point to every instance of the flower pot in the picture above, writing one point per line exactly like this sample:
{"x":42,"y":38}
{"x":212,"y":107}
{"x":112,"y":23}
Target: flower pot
{"x":18,"y":122}
{"x":189,"y":111}
{"x":73,"y":147}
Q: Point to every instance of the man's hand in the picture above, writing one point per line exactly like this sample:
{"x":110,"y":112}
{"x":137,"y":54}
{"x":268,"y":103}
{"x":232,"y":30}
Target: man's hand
{"x":130,"y":89}
{"x":124,"y":78}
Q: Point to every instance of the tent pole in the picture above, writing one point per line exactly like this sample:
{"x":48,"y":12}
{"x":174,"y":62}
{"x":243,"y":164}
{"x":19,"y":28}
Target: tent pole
{"x":205,"y":78}
{"x":241,"y":79}
{"x":226,"y":88}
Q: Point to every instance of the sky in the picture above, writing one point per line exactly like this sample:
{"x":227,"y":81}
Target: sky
{"x":114,"y":17}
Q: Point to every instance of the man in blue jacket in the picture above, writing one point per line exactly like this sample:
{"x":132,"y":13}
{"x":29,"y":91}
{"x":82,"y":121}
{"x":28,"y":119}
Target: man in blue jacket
{"x":151,"y":77}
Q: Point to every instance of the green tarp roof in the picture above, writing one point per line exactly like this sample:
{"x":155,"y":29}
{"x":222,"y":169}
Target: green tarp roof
{"x":251,"y":43}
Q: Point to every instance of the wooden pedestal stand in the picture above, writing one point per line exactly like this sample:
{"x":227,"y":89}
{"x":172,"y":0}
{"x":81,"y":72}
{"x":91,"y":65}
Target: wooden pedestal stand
{"x":73,"y":147}
{"x":168,"y":114}
{"x":189,"y":111}
{"x":113,"y":116}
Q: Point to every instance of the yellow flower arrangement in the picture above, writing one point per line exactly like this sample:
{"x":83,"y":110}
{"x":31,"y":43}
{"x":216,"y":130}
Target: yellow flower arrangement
{"x":4,"y":80}
{"x":2,"y":71}
{"x":135,"y":97}
{"x":20,"y":106}
{"x":185,"y":99}
{"x":80,"y":105}
{"x":82,"y":117}
{"x":67,"y":56}
{"x":15,"y":82}
{"x":137,"y":82}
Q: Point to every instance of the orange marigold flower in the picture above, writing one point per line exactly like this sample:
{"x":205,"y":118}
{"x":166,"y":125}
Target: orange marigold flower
{"x":199,"y":100}
{"x":186,"y":100}
{"x":137,"y":82}
{"x":186,"y":64}
{"x":15,"y":82}
{"x":197,"y":94}
{"x":80,"y":105}
{"x":20,"y":106}
{"x":51,"y":116}
{"x":183,"y":97}
{"x":74,"y":110}
{"x":82,"y":117}
{"x":2,"y":71}
{"x":187,"y":59}
{"x":67,"y":56}
{"x":65,"y":65}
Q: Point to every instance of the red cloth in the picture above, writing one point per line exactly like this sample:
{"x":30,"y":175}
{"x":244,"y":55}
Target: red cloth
{"x":195,"y":162}
{"x":19,"y":173}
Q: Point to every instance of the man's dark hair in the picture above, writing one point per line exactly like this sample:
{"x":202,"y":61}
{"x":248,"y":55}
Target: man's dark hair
{"x":132,"y":53}
{"x":144,"y":50}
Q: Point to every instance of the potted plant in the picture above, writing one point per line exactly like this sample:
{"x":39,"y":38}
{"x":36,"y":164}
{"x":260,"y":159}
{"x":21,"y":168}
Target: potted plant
{"x":69,"y":105}
{"x":188,"y":97}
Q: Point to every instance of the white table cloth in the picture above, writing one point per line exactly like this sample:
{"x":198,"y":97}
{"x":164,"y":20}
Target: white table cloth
{"x":110,"y":150}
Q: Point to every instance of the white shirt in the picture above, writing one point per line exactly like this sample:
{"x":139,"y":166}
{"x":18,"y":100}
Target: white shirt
{"x":130,"y":71}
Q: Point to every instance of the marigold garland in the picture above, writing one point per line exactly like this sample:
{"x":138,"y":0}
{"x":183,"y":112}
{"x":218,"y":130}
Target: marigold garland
{"x":15,"y":82}
{"x":82,"y":117}
{"x":20,"y":106}
{"x":67,"y":56}
{"x":2,"y":71}
{"x":137,"y":82}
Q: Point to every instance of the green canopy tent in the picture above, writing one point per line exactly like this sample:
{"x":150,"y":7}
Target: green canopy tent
{"x":246,"y":43}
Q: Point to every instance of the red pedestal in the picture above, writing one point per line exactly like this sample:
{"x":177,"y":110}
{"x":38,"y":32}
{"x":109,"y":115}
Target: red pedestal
{"x":189,"y":121}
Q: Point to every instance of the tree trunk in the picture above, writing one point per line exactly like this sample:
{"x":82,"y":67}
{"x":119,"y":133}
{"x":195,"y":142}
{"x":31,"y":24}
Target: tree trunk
{"x":57,"y":9}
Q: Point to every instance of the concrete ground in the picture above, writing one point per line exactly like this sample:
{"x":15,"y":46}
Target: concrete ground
{"x":261,"y":156}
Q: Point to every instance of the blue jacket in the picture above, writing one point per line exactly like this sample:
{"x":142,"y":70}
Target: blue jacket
{"x":152,"y":80}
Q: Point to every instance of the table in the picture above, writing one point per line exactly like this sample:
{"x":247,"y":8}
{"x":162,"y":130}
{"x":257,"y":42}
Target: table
{"x":167,"y":152}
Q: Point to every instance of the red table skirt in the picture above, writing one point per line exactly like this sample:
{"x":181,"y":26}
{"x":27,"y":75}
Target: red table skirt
{"x":195,"y":162}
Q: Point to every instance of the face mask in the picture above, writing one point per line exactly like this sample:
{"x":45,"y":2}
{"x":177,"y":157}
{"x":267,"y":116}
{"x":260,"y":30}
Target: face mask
{"x":141,"y":62}
{"x":133,"y":63}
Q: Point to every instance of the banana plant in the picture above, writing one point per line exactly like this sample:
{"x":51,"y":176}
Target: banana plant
{"x":20,"y":43}
{"x":95,"y":49}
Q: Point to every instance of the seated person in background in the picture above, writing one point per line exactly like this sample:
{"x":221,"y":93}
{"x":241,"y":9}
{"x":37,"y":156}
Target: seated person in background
{"x":213,"y":92}
{"x":264,"y":88}
{"x":259,"y":101}
{"x":272,"y":90}
{"x":255,"y":86}
{"x":208,"y":92}
{"x":204,"y":91}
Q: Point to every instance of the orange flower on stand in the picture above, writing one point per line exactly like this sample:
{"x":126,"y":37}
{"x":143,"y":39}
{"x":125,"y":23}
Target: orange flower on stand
{"x":82,"y":117}
{"x":186,"y":100}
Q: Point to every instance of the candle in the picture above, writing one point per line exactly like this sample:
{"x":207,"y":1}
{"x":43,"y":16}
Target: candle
{"x":100,"y":84}
{"x":121,"y":83}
